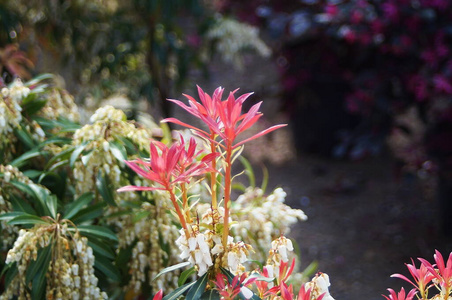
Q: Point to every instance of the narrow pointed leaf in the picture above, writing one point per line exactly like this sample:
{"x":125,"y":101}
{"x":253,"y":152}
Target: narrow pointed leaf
{"x":97,"y":231}
{"x":178,"y":292}
{"x":21,"y":160}
{"x":198,"y":288}
{"x":210,"y":295}
{"x":171,"y":268}
{"x":26,"y":219}
{"x":89,"y":213}
{"x":105,"y":189}
{"x":185,"y":275}
{"x":100,"y":248}
{"x":106,"y":267}
{"x":77,"y":151}
{"x":41,"y":261}
{"x":11,"y":215}
{"x":74,"y":207}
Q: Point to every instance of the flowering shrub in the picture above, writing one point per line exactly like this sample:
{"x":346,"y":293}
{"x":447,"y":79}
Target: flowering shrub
{"x":205,"y":240}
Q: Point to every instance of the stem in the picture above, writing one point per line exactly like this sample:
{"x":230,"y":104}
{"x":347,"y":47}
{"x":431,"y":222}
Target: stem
{"x":178,"y":211}
{"x":227,"y":194}
{"x":185,"y":201}
{"x":213,"y":175}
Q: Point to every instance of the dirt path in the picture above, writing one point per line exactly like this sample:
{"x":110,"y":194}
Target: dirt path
{"x":363,"y":226}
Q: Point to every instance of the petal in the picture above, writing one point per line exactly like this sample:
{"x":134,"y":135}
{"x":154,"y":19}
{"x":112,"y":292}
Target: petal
{"x":263,"y":132}
{"x":138,"y":188}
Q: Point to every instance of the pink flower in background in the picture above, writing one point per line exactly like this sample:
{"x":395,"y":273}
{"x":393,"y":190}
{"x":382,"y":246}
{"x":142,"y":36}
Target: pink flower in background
{"x":442,"y":84}
{"x":391,"y":11}
{"x":331,"y":10}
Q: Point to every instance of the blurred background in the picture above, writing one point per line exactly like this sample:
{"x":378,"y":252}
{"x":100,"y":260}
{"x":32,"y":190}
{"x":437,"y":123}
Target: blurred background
{"x":365,"y":86}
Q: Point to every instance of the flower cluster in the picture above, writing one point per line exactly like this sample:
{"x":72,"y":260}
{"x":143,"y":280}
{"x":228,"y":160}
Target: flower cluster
{"x":60,"y":104}
{"x":431,"y":281}
{"x":262,"y":218}
{"x":8,"y":191}
{"x":100,"y":152}
{"x":148,"y":237}
{"x":70,"y":274}
{"x":10,"y":116}
{"x":272,"y":282}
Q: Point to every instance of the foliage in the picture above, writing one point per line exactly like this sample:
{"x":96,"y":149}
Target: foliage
{"x":139,"y":48}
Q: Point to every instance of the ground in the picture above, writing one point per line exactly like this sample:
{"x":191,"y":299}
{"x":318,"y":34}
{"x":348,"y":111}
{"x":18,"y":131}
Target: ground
{"x":363,"y":223}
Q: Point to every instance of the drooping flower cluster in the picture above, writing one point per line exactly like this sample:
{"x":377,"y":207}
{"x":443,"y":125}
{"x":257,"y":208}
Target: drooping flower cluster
{"x":99,"y":150}
{"x":147,"y":236}
{"x":70,"y":272}
{"x":10,"y":117}
{"x":263,"y":218}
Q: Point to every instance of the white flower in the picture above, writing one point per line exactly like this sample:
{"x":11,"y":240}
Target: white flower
{"x":247,"y":293}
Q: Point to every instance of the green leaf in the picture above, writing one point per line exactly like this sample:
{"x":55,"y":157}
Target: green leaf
{"x":55,"y":140}
{"x":63,"y":155}
{"x":39,"y":280}
{"x":118,"y":150}
{"x":228,"y":274}
{"x":37,"y":193}
{"x":249,"y":171}
{"x":107,"y":268}
{"x":32,"y":104}
{"x":210,"y":295}
{"x":311,"y":269}
{"x":101,"y":248}
{"x":171,"y":268}
{"x":198,"y":288}
{"x":185,"y":275}
{"x":44,"y":203}
{"x":38,"y":79}
{"x":89,"y":213}
{"x":178,"y":292}
{"x":74,"y":207}
{"x":129,"y":146}
{"x":21,"y":160}
{"x":52,"y":204}
{"x":105,"y":188}
{"x":21,"y":205}
{"x":26,"y":219}
{"x":11,"y":272}
{"x":11,"y":215}
{"x":25,"y":137}
{"x":140,"y":215}
{"x":77,"y":151}
{"x":40,"y":262}
{"x":261,"y":266}
{"x":97,"y":231}
{"x":32,"y":174}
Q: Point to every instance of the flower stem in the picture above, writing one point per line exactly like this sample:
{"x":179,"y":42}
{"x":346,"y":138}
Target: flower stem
{"x":213,"y":175}
{"x":227,"y":193}
{"x":178,"y":211}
